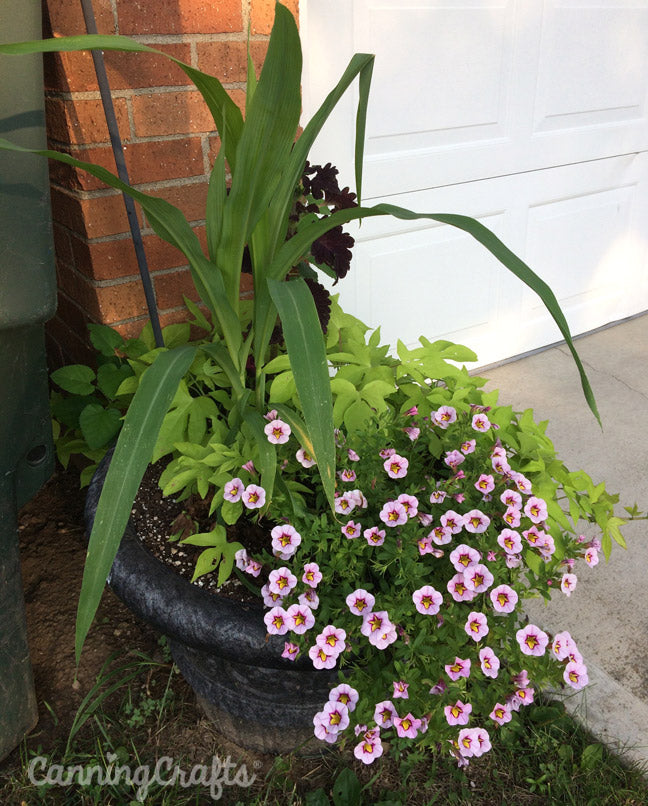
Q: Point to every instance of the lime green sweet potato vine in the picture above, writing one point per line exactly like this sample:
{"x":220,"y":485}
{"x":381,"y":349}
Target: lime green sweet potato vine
{"x":266,"y":160}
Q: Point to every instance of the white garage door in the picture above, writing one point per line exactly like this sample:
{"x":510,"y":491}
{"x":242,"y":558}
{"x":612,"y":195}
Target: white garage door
{"x":531,"y":116}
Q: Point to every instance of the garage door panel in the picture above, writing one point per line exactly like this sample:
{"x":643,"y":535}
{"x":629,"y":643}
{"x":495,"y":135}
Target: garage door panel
{"x":593,"y":67}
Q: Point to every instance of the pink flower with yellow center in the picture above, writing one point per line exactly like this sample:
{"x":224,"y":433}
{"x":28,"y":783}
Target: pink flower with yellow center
{"x":510,"y":541}
{"x":276,"y":621}
{"x":504,"y":599}
{"x":344,"y":504}
{"x":575,"y":675}
{"x":281,"y":580}
{"x":476,"y":626}
{"x":512,"y":517}
{"x":368,"y":750}
{"x":458,"y":590}
{"x":400,"y":689}
{"x":485,"y":483}
{"x":322,"y":659}
{"x":453,"y":459}
{"x":445,"y":416}
{"x":253,"y":568}
{"x":427,"y":600}
{"x":310,"y":598}
{"x":290,"y":651}
{"x":478,"y":578}
{"x":407,"y":727}
{"x":463,"y":557}
{"x":412,"y":432}
{"x":233,"y":490}
{"x":532,"y":640}
{"x":501,"y":713}
{"x":475,"y":521}
{"x":460,"y":668}
{"x":458,"y":714}
{"x":351,"y":530}
{"x":480,"y":422}
{"x":425,"y":545}
{"x":396,"y":466}
{"x":347,"y":475}
{"x":437,"y":496}
{"x":452,"y":520}
{"x":374,"y":622}
{"x":300,"y":618}
{"x":384,"y":714}
{"x":410,"y":503}
{"x":360,"y":602}
{"x":270,"y":598}
{"x":344,"y":694}
{"x":536,"y":509}
{"x":332,"y":639}
{"x":383,"y":638}
{"x":335,"y":716}
{"x":522,"y":483}
{"x":254,"y":496}
{"x":525,"y":695}
{"x":312,"y":576}
{"x":304,"y":458}
{"x":489,"y":662}
{"x":441,"y":535}
{"x":591,"y":556}
{"x":353,"y":456}
{"x":568,"y":583}
{"x":511,"y":498}
{"x":534,"y":536}
{"x":374,"y":536}
{"x":473,"y":742}
{"x":285,"y":539}
{"x":468,"y":446}
{"x":393,"y":514}
{"x":277,"y":432}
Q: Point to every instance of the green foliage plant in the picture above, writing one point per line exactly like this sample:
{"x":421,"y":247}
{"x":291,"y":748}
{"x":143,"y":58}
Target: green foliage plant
{"x":249,"y":209}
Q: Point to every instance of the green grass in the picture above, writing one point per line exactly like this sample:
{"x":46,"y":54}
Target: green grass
{"x":140,"y":710}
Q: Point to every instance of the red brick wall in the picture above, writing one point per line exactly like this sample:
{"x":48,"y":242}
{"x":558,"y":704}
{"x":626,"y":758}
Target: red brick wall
{"x":169,"y":144}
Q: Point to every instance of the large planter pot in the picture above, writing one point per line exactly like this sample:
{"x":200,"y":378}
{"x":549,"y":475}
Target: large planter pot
{"x":255,"y":698}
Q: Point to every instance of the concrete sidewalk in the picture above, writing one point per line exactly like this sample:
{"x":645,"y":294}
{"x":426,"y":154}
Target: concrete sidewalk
{"x":608,"y":613}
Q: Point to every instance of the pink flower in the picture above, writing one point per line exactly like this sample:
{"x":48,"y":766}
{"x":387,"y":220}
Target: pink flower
{"x":441,"y":535}
{"x":378,"y":628}
{"x":271,"y":598}
{"x":374,"y":536}
{"x":384,"y":714}
{"x":346,"y":695}
{"x":321,"y":658}
{"x":468,"y":446}
{"x":290,"y":651}
{"x":501,"y":714}
{"x":504,"y":599}
{"x":285,"y":540}
{"x":475,"y":521}
{"x":424,"y":518}
{"x":564,"y":646}
{"x":312,"y":576}
{"x":532,"y":640}
{"x":393,"y":514}
{"x":276,"y":621}
{"x":575,"y":674}
{"x":511,"y":498}
{"x":344,"y":504}
{"x":385,"y":453}
{"x":473,"y":742}
{"x":347,"y":475}
{"x":407,"y":727}
{"x":439,"y":687}
{"x":453,"y":459}
{"x":478,"y":578}
{"x":524,"y":696}
{"x":335,"y":715}
{"x":282,"y":581}
{"x":277,"y":432}
{"x":271,"y":415}
{"x":332,"y":639}
{"x":536,"y":509}
{"x":445,"y":416}
{"x":360,"y":602}
{"x":458,"y":590}
{"x":464,"y":556}
{"x":400,"y":689}
{"x":480,"y":422}
{"x":253,"y":568}
{"x":396,"y":466}
{"x":522,"y":483}
{"x":357,"y":498}
{"x":452,"y":520}
{"x":425,"y":545}
{"x":249,"y":466}
{"x":513,"y":560}
{"x":241,"y":558}
{"x":568,"y":583}
{"x":351,"y":530}
{"x":437,"y":496}
{"x":485,"y":483}
{"x":534,"y":536}
{"x":427,"y":600}
{"x":368,"y":750}
{"x":512,"y":517}
{"x":353,"y":456}
{"x":476,"y":626}
{"x":489,"y":662}
{"x":510,"y":541}
{"x":254,"y":496}
{"x":410,"y":503}
{"x":412,"y":432}
{"x":233,"y":490}
{"x":458,"y":714}
{"x":300,"y":618}
{"x":591,"y":556}
{"x":460,"y":668}
{"x":304,"y":458}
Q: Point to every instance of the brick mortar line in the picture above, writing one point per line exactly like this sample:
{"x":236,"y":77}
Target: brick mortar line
{"x":94,"y":95}
{"x":145,"y":187}
{"x":166,"y":138}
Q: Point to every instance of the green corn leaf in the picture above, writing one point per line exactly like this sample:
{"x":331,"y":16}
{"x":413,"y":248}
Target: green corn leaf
{"x":305,"y":344}
{"x":132,"y":455}
{"x":294,"y":248}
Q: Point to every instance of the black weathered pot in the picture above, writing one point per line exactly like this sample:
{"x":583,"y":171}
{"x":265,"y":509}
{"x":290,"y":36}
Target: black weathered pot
{"x":255,"y":698}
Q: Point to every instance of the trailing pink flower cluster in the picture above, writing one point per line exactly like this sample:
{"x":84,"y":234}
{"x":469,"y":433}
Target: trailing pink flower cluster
{"x":523,"y":518}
